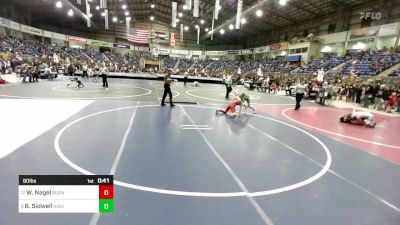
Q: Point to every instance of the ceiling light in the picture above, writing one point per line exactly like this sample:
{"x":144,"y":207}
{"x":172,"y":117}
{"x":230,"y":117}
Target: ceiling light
{"x":151,"y":18}
{"x":123,"y":6}
{"x":186,"y":28}
{"x":184,"y":7}
{"x":282,"y":2}
{"x":177,"y":20}
{"x":219,"y":7}
{"x":128,"y":18}
{"x":196,"y":26}
{"x":222,"y":31}
{"x":207,"y":29}
{"x":90,"y":15}
{"x":180,"y":14}
{"x":114,"y":19}
{"x":98,"y":7}
{"x":202,"y":21}
{"x":231,"y":27}
{"x":126,"y":13}
{"x":243,"y":21}
{"x":59,"y":4}
{"x":70,"y":12}
{"x":103,"y":14}
{"x":152,"y":6}
{"x":259,"y":13}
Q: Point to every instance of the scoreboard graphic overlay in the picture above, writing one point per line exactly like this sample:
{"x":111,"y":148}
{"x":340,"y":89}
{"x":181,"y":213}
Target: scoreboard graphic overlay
{"x":66,"y":194}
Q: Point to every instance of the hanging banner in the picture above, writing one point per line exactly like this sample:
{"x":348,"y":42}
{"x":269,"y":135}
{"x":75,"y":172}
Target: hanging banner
{"x":279,"y":46}
{"x":5,"y":22}
{"x":47,"y":34}
{"x":103,"y":4}
{"x":15,"y":26}
{"x":77,"y":40}
{"x":198,"y":35}
{"x":196,"y":5}
{"x":88,"y":20}
{"x":246,"y":51}
{"x":101,"y":43}
{"x":116,"y":45}
{"x":180,"y":52}
{"x":232,"y":52}
{"x":239,"y":13}
{"x":215,"y":53}
{"x":174,"y":8}
{"x":195,"y":53}
{"x":188,"y":4}
{"x":162,"y":51}
{"x":261,"y":49}
{"x":31,"y":30}
{"x":181,"y":33}
{"x":388,"y":29}
{"x":60,"y":36}
{"x":366,"y":32}
{"x":216,"y":9}
{"x":106,"y":18}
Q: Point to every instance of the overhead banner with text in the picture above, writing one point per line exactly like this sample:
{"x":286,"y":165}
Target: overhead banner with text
{"x":31,"y":30}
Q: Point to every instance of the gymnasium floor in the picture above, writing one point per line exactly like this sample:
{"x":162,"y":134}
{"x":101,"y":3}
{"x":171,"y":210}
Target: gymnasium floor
{"x":188,"y":166}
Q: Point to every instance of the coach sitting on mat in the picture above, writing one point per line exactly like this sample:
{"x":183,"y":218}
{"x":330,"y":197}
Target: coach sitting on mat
{"x":359,"y":118}
{"x":167,"y":88}
{"x":104,"y":75}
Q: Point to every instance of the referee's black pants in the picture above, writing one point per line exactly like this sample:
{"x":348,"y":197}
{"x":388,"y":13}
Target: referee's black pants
{"x":228,"y":90}
{"x":167,"y":90}
{"x":299,"y":97}
{"x":105,"y":82}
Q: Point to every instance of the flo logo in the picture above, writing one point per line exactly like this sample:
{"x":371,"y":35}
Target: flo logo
{"x":370,"y":15}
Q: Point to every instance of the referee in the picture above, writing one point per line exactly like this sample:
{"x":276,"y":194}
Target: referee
{"x":301,"y":89}
{"x":167,"y":89}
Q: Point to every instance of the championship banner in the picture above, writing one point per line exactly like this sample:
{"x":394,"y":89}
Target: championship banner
{"x":181,"y":33}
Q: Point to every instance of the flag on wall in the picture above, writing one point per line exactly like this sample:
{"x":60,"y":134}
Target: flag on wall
{"x":172,"y":40}
{"x":138,"y":36}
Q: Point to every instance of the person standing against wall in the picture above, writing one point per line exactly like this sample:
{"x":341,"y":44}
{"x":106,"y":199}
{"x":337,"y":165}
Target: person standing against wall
{"x":301,"y":89}
{"x":167,"y":89}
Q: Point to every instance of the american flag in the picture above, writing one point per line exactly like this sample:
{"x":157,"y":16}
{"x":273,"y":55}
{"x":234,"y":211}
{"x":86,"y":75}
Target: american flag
{"x":138,"y":36}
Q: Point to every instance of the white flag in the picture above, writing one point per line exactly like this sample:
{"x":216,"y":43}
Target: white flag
{"x":239,"y":14}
